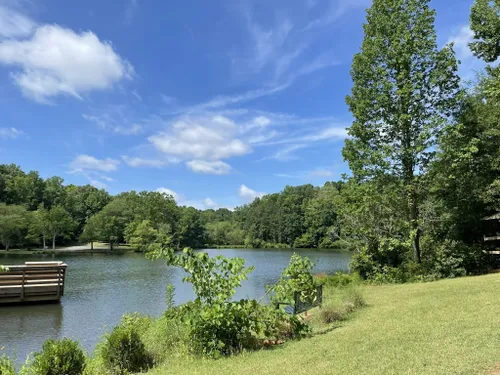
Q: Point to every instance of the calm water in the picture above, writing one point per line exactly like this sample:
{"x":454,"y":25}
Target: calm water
{"x":100,"y":288}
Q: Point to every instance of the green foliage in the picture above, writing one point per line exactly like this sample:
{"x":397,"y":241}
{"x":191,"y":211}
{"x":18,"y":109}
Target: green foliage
{"x":485,"y":24}
{"x":58,"y":223}
{"x":404,"y":91}
{"x":4,"y":268}
{"x":215,"y":324}
{"x":13,"y":225}
{"x":342,"y":280}
{"x":123,"y":350}
{"x":348,"y":300}
{"x":63,"y":357}
{"x":167,"y":337}
{"x":6,"y":365}
{"x":296,"y":277}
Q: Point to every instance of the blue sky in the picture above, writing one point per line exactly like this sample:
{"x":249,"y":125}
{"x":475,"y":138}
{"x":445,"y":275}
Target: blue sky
{"x":215,"y":101}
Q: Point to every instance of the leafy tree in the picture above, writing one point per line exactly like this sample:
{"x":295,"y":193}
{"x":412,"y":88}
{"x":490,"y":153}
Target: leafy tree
{"x":39,"y":226}
{"x":54,"y":193}
{"x":404,"y":90}
{"x":83,"y":202}
{"x":90,"y":232}
{"x":485,"y":23}
{"x":59,"y":223}
{"x":25,"y":189}
{"x":191,"y":232}
{"x":12,"y":224}
{"x":140,"y":235}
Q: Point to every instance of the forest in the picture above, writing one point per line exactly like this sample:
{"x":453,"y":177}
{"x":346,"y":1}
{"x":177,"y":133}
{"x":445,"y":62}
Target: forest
{"x":423,"y":150}
{"x":36,"y":213}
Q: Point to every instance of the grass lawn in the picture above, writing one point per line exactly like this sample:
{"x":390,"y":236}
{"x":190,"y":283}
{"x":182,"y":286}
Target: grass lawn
{"x":445,"y":327}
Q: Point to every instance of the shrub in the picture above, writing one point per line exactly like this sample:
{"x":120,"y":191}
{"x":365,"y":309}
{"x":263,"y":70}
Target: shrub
{"x":330,"y":315}
{"x":341,"y":280}
{"x":64,"y":357}
{"x":6,"y":366}
{"x":349,"y":299}
{"x":305,"y":241}
{"x":166,"y":337}
{"x":123,"y":350}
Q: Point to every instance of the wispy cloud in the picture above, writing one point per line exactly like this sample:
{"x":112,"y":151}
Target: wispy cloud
{"x":131,"y":9}
{"x":335,"y":10}
{"x":136,"y":162}
{"x":116,"y":119}
{"x":10,"y":133}
{"x":14,"y":24}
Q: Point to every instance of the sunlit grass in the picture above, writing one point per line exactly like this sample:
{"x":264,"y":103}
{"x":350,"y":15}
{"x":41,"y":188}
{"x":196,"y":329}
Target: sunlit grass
{"x":446,"y":327}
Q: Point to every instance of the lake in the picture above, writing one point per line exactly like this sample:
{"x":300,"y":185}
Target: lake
{"x":100,"y":288}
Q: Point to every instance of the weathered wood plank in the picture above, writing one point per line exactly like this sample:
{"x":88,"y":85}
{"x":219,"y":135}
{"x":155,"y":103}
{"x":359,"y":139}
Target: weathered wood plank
{"x":32,"y":282}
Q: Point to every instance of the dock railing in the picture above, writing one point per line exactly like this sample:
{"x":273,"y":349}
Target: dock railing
{"x":32,"y":282}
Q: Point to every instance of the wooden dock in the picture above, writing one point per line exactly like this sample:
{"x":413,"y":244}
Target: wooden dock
{"x":32,"y":282}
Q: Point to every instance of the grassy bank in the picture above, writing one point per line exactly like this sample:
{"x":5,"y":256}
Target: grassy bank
{"x":445,"y":327}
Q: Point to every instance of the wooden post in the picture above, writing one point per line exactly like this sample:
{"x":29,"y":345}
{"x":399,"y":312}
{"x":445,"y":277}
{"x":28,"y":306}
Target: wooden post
{"x":22,"y":285}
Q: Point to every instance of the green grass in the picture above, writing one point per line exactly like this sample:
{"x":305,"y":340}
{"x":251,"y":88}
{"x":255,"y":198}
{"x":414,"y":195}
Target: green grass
{"x":445,"y":327}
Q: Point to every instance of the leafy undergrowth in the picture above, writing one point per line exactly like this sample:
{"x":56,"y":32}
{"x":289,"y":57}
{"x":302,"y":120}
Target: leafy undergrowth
{"x":444,"y":327}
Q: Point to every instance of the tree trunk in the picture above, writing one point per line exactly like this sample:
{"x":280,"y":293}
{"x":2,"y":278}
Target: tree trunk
{"x":54,"y":242}
{"x":91,"y":245}
{"x":44,"y":245}
{"x":110,"y":245}
{"x":415,"y":229}
{"x":6,"y":247}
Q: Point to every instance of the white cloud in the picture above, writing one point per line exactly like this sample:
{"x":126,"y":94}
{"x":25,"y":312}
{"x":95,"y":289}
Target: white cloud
{"x":286,"y":153}
{"x":209,"y":203}
{"x":209,"y":167}
{"x":203,"y":138}
{"x":90,"y":163}
{"x":469,"y":63}
{"x":139,"y":162}
{"x":336,"y":10}
{"x":198,"y":204}
{"x":224,"y":101}
{"x":169,"y":192}
{"x":248,"y":194}
{"x":461,"y":42}
{"x":320,"y":172}
{"x":58,"y":61}
{"x":13,"y":24}
{"x":321,"y":134}
{"x":10,"y":133}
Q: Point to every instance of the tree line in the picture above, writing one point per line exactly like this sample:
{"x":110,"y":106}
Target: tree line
{"x":35,"y":212}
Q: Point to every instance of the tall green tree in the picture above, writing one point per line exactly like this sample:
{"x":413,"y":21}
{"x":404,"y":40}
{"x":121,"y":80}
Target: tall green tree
{"x":38,"y":226}
{"x":404,"y":90}
{"x":13,"y":225}
{"x":59,"y":224}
